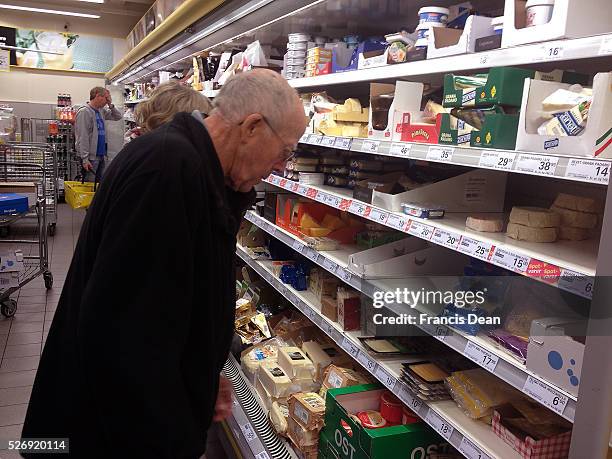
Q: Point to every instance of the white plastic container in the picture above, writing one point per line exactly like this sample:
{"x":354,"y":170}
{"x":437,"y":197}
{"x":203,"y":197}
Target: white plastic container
{"x":498,"y":25}
{"x":538,"y":12}
{"x":295,"y":69}
{"x":298,"y":37}
{"x":297,"y":46}
{"x":312,"y":178}
{"x":299,"y":54}
{"x":433,"y":14}
{"x":423,"y":29}
{"x":421,"y":43}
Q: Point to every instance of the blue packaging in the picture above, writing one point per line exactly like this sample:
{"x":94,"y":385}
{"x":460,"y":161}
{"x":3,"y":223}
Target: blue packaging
{"x":13,"y":203}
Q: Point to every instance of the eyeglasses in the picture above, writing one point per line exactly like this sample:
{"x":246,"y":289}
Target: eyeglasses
{"x":288,"y":153}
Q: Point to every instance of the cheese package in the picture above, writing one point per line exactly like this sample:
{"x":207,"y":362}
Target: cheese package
{"x":576,"y":219}
{"x":295,"y":364}
{"x":300,"y":436}
{"x":266,"y":398}
{"x":253,"y":358}
{"x":308,"y":409}
{"x":274,"y":380}
{"x":567,"y":233}
{"x":320,"y":359}
{"x":336,"y":377}
{"x":279,"y":417}
{"x":305,"y":385}
{"x":582,"y":204}
{"x":485,"y":223}
{"x":525,"y":233}
{"x":349,"y":309}
{"x":329,"y":307}
{"x":535,"y":217}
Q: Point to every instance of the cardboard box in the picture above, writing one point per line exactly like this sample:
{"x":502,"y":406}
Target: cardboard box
{"x":302,"y":437}
{"x":570,"y":19}
{"x":329,"y":307}
{"x":594,"y":141}
{"x":554,"y":354}
{"x":336,"y":377}
{"x":308,"y":409}
{"x":412,"y":129}
{"x":371,"y":53}
{"x":348,"y":440}
{"x":449,"y":42}
{"x":406,"y":99}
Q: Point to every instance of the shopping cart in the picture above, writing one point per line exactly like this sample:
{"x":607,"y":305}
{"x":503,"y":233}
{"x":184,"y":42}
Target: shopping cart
{"x":27,"y":255}
{"x":44,"y":155}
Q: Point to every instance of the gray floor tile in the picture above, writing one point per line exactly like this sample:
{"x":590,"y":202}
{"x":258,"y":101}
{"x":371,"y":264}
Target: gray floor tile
{"x":22,"y":350}
{"x":24,"y":338}
{"x":19,"y":364}
{"x":10,"y":433}
{"x":38,"y":299}
{"x":12,"y":414}
{"x":28,"y":316}
{"x":32,"y":292}
{"x":17,"y":379}
{"x":26,"y":327}
{"x":29,"y":308}
{"x":15,"y":396}
{"x":5,"y":325}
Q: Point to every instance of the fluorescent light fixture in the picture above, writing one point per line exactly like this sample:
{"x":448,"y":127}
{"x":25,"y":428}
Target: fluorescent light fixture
{"x":91,"y":1}
{"x":44,"y":10}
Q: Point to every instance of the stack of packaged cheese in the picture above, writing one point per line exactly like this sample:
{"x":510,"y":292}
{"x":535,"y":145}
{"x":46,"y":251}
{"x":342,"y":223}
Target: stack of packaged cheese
{"x":306,"y":413}
{"x":579,"y":216}
{"x":533,"y":224}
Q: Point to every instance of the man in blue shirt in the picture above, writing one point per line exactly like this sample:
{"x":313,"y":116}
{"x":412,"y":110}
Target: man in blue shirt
{"x":90,"y":130}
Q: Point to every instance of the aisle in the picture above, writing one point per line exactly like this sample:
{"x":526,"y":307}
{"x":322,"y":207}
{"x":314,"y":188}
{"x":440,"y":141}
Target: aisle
{"x":22,"y":338}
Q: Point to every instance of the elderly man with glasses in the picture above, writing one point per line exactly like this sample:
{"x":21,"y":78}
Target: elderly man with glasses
{"x":132,"y":363}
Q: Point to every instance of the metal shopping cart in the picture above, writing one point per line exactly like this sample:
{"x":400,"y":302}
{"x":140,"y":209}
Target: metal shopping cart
{"x":44,"y":155}
{"x":27,"y":255}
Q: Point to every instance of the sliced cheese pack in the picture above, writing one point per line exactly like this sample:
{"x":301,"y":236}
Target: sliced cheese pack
{"x":274,"y":380}
{"x":580,"y":203}
{"x":279,"y":417}
{"x":295,"y":364}
{"x":535,"y":217}
{"x":576,"y":219}
{"x":308,"y":409}
{"x":320,"y":359}
{"x":526,"y":233}
{"x":485,"y":223}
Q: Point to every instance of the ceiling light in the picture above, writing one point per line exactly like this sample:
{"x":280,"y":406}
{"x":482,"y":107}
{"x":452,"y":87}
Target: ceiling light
{"x":43,"y":10}
{"x":91,"y":1}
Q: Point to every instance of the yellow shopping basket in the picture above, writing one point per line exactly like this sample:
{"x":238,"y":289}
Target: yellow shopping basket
{"x":79,"y":195}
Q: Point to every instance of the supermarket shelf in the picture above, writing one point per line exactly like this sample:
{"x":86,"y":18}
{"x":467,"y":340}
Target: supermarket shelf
{"x":250,"y":426}
{"x":567,"y":265}
{"x":577,"y":168}
{"x":538,"y":53}
{"x":483,"y":352}
{"x":472,"y":438}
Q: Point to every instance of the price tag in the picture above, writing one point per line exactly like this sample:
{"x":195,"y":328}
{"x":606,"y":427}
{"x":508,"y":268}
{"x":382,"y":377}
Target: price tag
{"x":358,"y":208}
{"x":400,"y":149}
{"x":537,"y":164}
{"x":329,"y":265}
{"x":283,"y":183}
{"x":5,"y":60}
{"x":440,"y":154}
{"x":298,"y":246}
{"x":303,"y":190}
{"x":446,"y":238}
{"x":588,"y":170}
{"x":379,"y":216}
{"x":321,"y":197}
{"x":328,"y":328}
{"x":470,"y":450}
{"x":271,"y":228}
{"x":248,"y":432}
{"x":333,"y":201}
{"x":343,"y":143}
{"x":421,"y":230}
{"x":480,"y":356}
{"x":312,"y":254}
{"x":370,"y":146}
{"x":366,"y":361}
{"x":413,"y":402}
{"x":349,"y":347}
{"x":294,"y":186}
{"x":397,"y":221}
{"x":328,"y":141}
{"x":441,"y":332}
{"x":291,"y":297}
{"x":483,"y":59}
{"x":262,"y":455}
{"x":502,"y":160}
{"x":343,"y":274}
{"x":511,"y":261}
{"x":606,"y":46}
{"x":576,"y":283}
{"x":545,"y":395}
{"x":344,"y":204}
{"x":439,"y":424}
{"x":476,"y":249}
{"x":312,"y":315}
{"x":384,"y":377}
{"x":549,"y":53}
{"x":304,"y":138}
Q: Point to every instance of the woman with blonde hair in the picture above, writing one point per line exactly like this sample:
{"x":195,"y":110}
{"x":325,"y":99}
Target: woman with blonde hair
{"x":165,"y":101}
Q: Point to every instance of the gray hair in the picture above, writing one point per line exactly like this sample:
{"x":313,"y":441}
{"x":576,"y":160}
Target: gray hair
{"x":97,"y":91}
{"x":257,"y":91}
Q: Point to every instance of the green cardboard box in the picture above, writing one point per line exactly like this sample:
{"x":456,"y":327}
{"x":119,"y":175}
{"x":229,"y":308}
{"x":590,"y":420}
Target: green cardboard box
{"x":498,"y":131}
{"x":449,"y":134}
{"x":343,"y":438}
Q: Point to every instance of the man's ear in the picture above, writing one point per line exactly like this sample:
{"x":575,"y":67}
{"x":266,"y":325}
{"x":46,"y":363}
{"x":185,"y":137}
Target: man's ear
{"x":251,"y":123}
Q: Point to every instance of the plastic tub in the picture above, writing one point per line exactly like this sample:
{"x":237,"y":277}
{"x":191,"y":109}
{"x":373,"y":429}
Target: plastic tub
{"x":299,"y":54}
{"x":298,"y":37}
{"x":433,"y":14}
{"x":299,"y":61}
{"x":538,"y":12}
{"x":297,"y":45}
{"x":498,"y":25}
{"x":423,"y":29}
{"x":421,"y":43}
{"x":79,"y":195}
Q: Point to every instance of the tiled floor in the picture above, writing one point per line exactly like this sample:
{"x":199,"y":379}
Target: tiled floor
{"x":22,"y":337}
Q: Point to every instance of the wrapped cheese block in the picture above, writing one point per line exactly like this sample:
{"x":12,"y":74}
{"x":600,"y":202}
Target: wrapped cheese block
{"x":252,"y":360}
{"x":320,"y":359}
{"x":308,"y":409}
{"x":279,"y":417}
{"x":526,"y":233}
{"x":576,"y":219}
{"x":568,"y":233}
{"x":293,"y":361}
{"x":485,"y":223}
{"x":535,"y":217}
{"x":582,"y":204}
{"x":300,"y":436}
{"x":274,"y":380}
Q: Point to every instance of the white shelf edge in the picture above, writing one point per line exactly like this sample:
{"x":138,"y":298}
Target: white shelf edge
{"x":470,"y":156}
{"x":447,"y":410}
{"x":507,"y":369}
{"x":575,"y":279}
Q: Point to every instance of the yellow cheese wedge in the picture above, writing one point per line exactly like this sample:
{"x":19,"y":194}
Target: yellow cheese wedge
{"x":332,"y":222}
{"x":309,"y":222}
{"x":317,"y":232}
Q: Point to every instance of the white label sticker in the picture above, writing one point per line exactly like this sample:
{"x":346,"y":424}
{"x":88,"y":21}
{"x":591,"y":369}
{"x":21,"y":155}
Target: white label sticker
{"x":549,"y":53}
{"x":304,"y":138}
{"x":291,"y":297}
{"x":358,"y":208}
{"x":248,"y":432}
{"x":349,"y":347}
{"x":262,"y":455}
{"x":576,"y":283}
{"x":414,"y":403}
{"x":366,"y":361}
{"x":480,"y":356}
{"x":298,"y":246}
{"x":606,"y":45}
{"x":271,"y":228}
{"x":441,"y":332}
{"x":328,"y":141}
{"x":398,"y":222}
{"x":328,"y":328}
{"x":379,"y":216}
{"x":510,"y":260}
{"x":302,"y":190}
{"x":470,"y":450}
{"x":387,"y":379}
{"x":400,"y":149}
{"x":545,"y":395}
{"x":321,"y":197}
{"x":333,"y":201}
{"x":343,"y":274}
{"x":501,"y":160}
{"x":312,"y":315}
{"x":329,"y":265}
{"x":475,"y":248}
{"x":5,"y":60}
{"x":588,"y":170}
{"x":440,"y":154}
{"x":370,"y":146}
{"x":312,"y":254}
{"x":312,"y":139}
{"x":343,"y":143}
{"x":537,"y":164}
{"x":439,"y":424}
{"x":420,"y":230}
{"x":446,"y":238}
{"x":334,"y":380}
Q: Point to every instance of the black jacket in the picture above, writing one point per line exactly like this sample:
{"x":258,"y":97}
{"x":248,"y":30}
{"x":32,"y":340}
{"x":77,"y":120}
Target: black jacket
{"x":145,"y":319}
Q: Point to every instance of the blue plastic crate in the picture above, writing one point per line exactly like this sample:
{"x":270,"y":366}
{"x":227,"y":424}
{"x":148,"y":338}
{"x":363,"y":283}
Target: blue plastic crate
{"x":13,"y":203}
